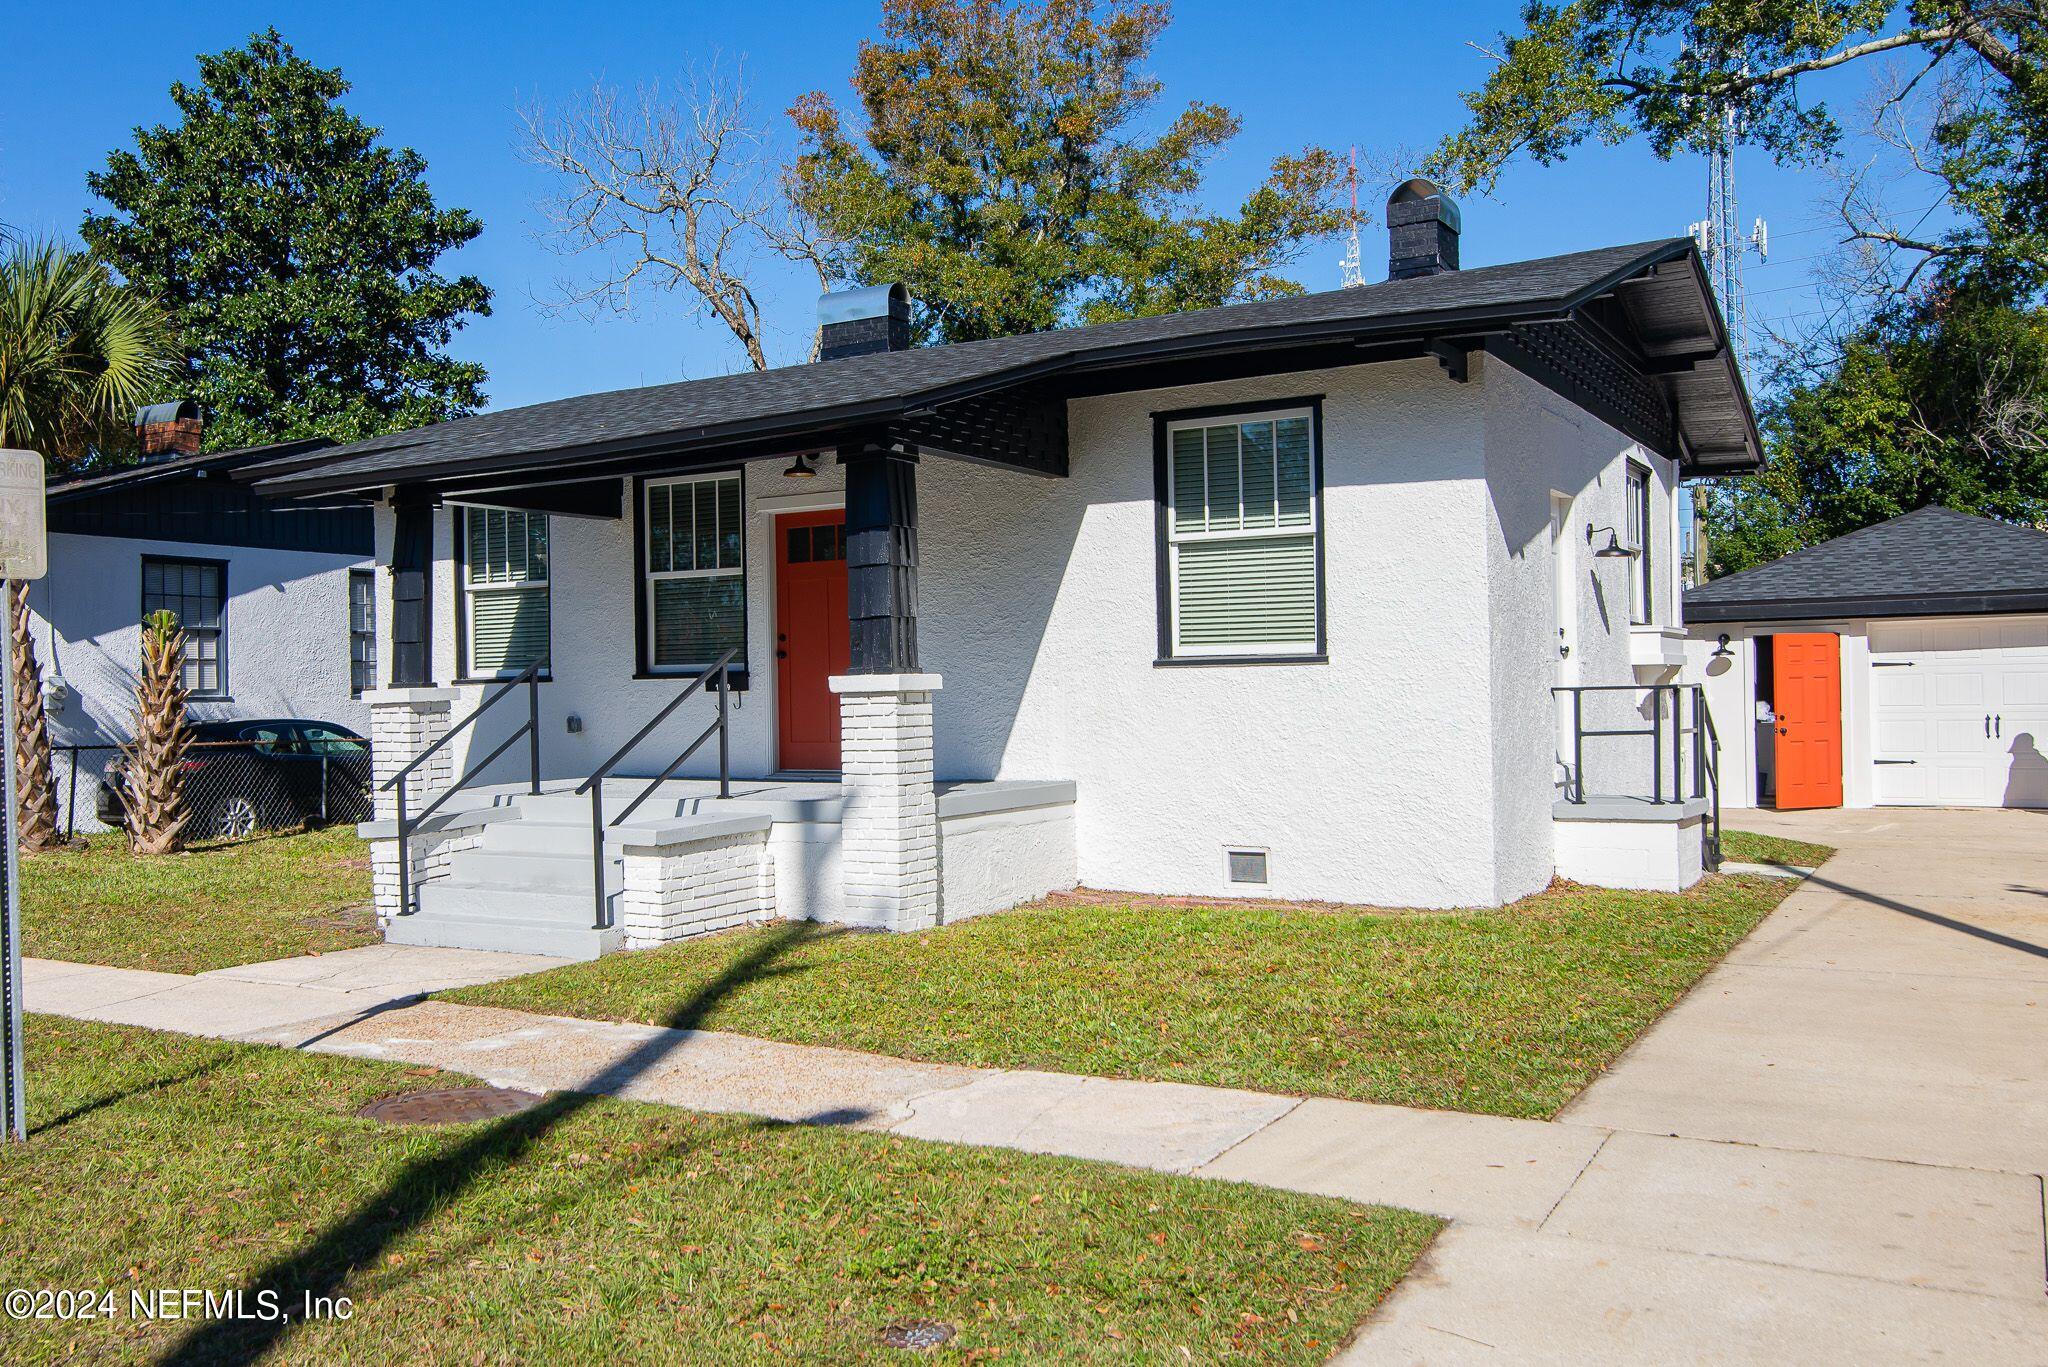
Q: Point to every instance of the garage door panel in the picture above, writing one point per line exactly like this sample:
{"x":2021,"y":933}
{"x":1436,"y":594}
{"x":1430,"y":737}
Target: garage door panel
{"x":2025,"y":637}
{"x":1901,"y":785}
{"x":1958,"y":687}
{"x":1896,"y":638}
{"x":2022,"y":687}
{"x":1890,"y":688}
{"x":1960,"y":710}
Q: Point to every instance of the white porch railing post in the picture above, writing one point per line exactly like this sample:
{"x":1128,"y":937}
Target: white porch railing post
{"x":404,"y":723}
{"x":889,"y":834}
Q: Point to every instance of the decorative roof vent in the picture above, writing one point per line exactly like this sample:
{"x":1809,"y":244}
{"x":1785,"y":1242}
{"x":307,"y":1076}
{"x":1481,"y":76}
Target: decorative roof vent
{"x":168,"y":430}
{"x":1422,"y":230}
{"x":857,"y":322}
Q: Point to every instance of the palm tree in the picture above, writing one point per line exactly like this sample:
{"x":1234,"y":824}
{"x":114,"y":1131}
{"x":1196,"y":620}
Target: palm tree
{"x":78,"y":354}
{"x":153,"y":771}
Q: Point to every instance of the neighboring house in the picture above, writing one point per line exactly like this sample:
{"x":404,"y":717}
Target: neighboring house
{"x":1905,"y":664}
{"x":275,"y":599}
{"x":1268,"y":599}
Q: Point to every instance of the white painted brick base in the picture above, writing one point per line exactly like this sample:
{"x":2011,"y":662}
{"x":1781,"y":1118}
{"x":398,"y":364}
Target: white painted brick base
{"x":404,"y":724}
{"x":889,"y":835}
{"x":695,"y":887}
{"x":430,"y":852}
{"x":1657,"y":856}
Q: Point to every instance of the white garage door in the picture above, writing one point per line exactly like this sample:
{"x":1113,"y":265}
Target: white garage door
{"x":1961,"y":711}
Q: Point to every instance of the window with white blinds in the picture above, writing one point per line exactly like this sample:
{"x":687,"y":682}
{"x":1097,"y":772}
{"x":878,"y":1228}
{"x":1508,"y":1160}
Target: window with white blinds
{"x":693,"y":540}
{"x":1242,"y":520}
{"x":504,"y":591}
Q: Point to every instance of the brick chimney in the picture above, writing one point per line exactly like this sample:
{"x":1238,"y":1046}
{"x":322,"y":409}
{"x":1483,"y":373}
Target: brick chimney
{"x":168,"y":430}
{"x":857,"y":322}
{"x":1422,"y":231}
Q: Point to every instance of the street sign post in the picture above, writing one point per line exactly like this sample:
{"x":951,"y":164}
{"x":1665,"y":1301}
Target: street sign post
{"x":24,"y":554}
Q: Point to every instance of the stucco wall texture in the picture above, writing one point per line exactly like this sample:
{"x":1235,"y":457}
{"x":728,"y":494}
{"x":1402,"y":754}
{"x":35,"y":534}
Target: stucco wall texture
{"x":286,"y":640}
{"x":1416,"y":767}
{"x":287,"y":632}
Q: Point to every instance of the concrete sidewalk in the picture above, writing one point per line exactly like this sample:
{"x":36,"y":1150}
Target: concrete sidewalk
{"x":1879,"y":1199}
{"x":238,"y":1003}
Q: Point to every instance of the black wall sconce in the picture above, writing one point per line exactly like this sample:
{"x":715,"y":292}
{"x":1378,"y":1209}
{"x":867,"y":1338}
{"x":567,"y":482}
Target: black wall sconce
{"x":1721,"y":651}
{"x":1613,"y":550}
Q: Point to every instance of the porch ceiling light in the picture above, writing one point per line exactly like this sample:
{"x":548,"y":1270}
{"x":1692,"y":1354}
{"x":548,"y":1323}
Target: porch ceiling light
{"x":801,"y":468}
{"x":1613,"y":550}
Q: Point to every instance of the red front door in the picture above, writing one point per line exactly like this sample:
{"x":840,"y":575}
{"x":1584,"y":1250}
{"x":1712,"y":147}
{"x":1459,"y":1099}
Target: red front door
{"x":1807,"y":692}
{"x":811,"y":637}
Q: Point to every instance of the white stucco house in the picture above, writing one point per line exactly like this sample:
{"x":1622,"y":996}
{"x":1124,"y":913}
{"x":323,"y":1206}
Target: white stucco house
{"x":275,"y":598}
{"x":1905,"y":664}
{"x":1269,"y":599}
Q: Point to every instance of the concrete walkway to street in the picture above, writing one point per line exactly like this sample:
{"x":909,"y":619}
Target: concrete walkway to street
{"x":1830,"y":1150}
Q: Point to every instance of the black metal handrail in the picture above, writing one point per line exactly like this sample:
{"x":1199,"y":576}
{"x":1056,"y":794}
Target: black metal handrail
{"x":1706,"y":749}
{"x":594,"y":785}
{"x":530,"y":729}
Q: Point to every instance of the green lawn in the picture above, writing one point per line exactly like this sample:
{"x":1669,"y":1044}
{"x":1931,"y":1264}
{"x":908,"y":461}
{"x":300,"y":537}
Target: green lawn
{"x":591,"y":1230}
{"x":212,"y":907}
{"x":1748,"y":847}
{"x":1509,"y":1012}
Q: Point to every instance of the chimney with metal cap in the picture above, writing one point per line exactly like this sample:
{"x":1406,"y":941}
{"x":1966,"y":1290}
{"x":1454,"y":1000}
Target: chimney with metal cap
{"x":856,"y":322}
{"x":1422,"y":231}
{"x":168,"y":430}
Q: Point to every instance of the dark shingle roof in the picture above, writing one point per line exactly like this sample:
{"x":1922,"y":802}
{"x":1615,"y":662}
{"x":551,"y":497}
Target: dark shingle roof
{"x":144,"y":472}
{"x":797,"y":398}
{"x":1931,"y":561}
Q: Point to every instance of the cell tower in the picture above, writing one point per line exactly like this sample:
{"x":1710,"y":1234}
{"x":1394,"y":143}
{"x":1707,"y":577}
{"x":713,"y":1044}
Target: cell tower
{"x":1724,"y":247}
{"x":1351,"y":262}
{"x":1723,"y":244}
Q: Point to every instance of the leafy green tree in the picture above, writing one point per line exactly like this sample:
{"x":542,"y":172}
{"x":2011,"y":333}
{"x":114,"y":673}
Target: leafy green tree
{"x":1684,"y":73}
{"x":296,"y":254}
{"x":998,"y":171}
{"x":1947,"y":402}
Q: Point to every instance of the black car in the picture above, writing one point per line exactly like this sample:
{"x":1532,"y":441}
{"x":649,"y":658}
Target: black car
{"x":266,"y":774}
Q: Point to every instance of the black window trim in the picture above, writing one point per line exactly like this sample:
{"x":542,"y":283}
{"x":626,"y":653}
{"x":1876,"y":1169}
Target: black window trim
{"x":368,"y":576}
{"x":1162,"y":419}
{"x":220,"y":668}
{"x":459,"y":533}
{"x":643,"y":667}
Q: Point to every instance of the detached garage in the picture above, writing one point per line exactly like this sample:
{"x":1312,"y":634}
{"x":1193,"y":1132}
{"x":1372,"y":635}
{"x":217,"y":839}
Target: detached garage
{"x":1905,"y":664}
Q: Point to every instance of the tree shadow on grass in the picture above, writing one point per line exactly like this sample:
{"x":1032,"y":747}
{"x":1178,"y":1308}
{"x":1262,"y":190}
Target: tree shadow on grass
{"x":361,"y":1237}
{"x":86,"y":1108}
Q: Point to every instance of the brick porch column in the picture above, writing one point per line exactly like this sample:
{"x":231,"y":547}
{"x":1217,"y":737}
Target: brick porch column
{"x":404,"y":723}
{"x":889,"y":835}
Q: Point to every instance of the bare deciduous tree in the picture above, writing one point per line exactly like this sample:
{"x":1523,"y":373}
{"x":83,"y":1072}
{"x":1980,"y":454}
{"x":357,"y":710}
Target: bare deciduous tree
{"x":675,"y":191}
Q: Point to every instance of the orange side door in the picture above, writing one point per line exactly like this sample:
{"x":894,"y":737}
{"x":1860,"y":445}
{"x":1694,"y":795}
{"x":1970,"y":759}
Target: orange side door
{"x":1808,"y":669}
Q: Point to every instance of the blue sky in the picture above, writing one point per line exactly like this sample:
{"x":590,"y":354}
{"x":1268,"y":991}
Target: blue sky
{"x":448,"y":79}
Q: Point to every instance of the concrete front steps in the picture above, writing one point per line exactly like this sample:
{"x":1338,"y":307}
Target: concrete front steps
{"x":525,"y":888}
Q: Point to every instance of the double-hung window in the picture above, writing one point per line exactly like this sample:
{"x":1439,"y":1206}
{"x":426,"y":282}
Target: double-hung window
{"x":194,"y":592}
{"x":1640,"y":586}
{"x":362,"y":632}
{"x":693,"y":552}
{"x":504,"y":578}
{"x":1242,"y":521}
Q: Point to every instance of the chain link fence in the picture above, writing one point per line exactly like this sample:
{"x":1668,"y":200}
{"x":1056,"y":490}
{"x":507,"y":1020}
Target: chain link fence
{"x":233,"y":788}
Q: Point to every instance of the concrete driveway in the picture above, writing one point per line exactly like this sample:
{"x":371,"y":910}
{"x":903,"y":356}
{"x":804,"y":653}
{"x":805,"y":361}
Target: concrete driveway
{"x":1831,"y":1150}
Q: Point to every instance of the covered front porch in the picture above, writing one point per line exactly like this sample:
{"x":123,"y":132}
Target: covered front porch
{"x":544,"y":763}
